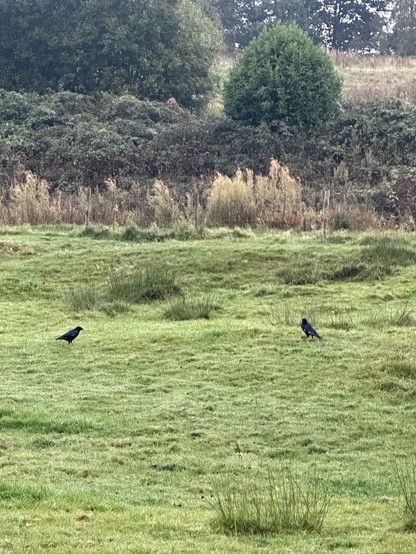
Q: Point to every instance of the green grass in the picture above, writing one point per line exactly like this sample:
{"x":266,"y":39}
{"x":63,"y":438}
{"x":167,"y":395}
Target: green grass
{"x":108,"y":445}
{"x":196,"y":307}
{"x":285,"y":504}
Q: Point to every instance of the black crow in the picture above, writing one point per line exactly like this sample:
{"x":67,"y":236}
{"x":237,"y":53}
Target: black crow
{"x":309,"y":330}
{"x":70,"y":335}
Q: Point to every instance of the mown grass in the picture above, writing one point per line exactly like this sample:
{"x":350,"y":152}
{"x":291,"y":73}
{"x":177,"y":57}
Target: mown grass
{"x":110,"y":444}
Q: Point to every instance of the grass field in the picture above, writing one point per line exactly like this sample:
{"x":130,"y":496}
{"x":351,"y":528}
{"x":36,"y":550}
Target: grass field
{"x":366,"y":77}
{"x":108,"y":445}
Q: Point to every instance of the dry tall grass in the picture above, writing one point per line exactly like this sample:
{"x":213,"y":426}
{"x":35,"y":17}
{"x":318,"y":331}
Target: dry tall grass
{"x":274,"y":200}
{"x":166,"y":208}
{"x":231,"y":200}
{"x":245,"y":199}
{"x":371,"y":76}
{"x":33,"y":202}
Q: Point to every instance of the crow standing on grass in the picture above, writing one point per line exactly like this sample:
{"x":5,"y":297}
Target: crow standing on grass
{"x":309,"y":330}
{"x":70,"y":335}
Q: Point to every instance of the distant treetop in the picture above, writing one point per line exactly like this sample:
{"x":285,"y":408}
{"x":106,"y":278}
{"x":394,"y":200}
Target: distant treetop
{"x":282,"y":78}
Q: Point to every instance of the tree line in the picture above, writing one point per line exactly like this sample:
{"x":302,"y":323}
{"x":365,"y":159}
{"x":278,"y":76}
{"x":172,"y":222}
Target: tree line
{"x":153,"y":49}
{"x":350,"y":25}
{"x":158,"y":49}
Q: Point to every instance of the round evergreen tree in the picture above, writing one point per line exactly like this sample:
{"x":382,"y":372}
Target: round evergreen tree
{"x":282,"y":77}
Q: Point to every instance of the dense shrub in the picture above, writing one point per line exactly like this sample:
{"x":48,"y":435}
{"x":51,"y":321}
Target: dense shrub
{"x":365,"y":154}
{"x":154,"y":50}
{"x":282,"y":78}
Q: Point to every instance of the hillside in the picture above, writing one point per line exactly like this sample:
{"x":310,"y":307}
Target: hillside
{"x":108,"y":445}
{"x":365,"y":154}
{"x":367,"y":77}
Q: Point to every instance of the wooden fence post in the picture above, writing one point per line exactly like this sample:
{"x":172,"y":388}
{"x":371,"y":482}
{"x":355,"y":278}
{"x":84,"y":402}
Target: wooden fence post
{"x":88,"y":208}
{"x":325,"y":210}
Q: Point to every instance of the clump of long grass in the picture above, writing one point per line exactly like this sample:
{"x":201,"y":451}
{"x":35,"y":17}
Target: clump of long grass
{"x":84,"y":297}
{"x":336,"y":317}
{"x":282,"y":504}
{"x":353,"y":217}
{"x":285,"y":314}
{"x":30,"y":202}
{"x":95,"y":232}
{"x":191,"y":307}
{"x":152,"y":234}
{"x":401,"y":369}
{"x":166,"y":208}
{"x":113,"y":308}
{"x":231,"y":201}
{"x":386,"y":316}
{"x":278,"y":197}
{"x":245,"y":199}
{"x":388,"y":251}
{"x":302,"y":273}
{"x":137,"y":285}
{"x":405,"y":474}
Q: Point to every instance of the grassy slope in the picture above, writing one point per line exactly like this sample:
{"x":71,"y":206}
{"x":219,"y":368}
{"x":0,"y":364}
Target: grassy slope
{"x":105,"y":446}
{"x":377,"y":76}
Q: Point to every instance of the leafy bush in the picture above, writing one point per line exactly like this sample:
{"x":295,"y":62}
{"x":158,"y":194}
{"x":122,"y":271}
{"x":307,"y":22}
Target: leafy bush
{"x":77,"y":42}
{"x":282,"y":78}
{"x":284,"y":504}
{"x":184,"y":308}
{"x":142,"y":285}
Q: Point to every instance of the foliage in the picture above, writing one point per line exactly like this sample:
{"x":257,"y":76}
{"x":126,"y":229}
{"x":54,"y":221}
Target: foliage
{"x":366,"y":155}
{"x":402,"y":39}
{"x":241,"y":21}
{"x":350,"y":25}
{"x":339,"y":24}
{"x":282,"y":79}
{"x":155,"y":50}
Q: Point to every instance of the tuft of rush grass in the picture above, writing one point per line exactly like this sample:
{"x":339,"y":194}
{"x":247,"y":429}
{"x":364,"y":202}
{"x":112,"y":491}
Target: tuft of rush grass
{"x":405,"y":473}
{"x":388,"y":251}
{"x":84,"y":297}
{"x":105,"y":445}
{"x":191,"y":307}
{"x":136,"y":285}
{"x":282,"y":504}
